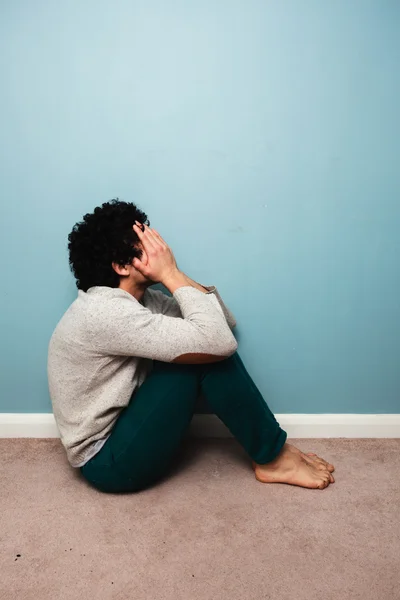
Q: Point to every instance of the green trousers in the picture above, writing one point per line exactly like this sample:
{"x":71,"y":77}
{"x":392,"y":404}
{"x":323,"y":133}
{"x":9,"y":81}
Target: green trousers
{"x":148,"y":432}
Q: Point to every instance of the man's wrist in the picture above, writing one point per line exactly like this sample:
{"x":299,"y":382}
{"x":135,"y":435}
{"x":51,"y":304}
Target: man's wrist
{"x":179,"y":279}
{"x":173,"y":281}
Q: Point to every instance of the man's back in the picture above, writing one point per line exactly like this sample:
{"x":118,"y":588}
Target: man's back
{"x":88,"y":388}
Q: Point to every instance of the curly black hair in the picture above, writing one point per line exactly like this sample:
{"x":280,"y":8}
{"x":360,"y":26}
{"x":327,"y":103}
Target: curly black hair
{"x":103,"y":237}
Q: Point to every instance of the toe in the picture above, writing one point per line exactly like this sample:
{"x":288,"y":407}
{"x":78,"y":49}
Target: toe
{"x":322,"y":484}
{"x":317,"y":458}
{"x":316,"y":462}
{"x":328,"y":466}
{"x":326,"y":479}
{"x":320,"y":466}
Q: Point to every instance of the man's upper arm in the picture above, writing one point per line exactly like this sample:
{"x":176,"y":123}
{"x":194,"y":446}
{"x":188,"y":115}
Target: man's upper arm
{"x":158,"y":302}
{"x":127,"y":329}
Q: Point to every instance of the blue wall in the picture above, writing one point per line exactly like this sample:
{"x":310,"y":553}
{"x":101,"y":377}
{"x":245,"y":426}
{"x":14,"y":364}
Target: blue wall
{"x":262,"y":138}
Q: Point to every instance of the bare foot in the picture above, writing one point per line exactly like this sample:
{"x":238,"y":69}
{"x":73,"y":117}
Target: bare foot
{"x":318,"y":459}
{"x":296,"y":468}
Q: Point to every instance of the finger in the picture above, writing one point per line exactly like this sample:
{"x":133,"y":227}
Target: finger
{"x":160,"y":239}
{"x":155,"y":239}
{"x":141,"y":228}
{"x":137,"y":228}
{"x":149,"y":235}
{"x":141,"y":267}
{"x":148,"y":243}
{"x":144,"y":258}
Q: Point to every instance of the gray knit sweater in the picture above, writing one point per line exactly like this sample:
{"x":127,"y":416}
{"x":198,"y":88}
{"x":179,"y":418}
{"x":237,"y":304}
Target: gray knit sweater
{"x":102,"y":348}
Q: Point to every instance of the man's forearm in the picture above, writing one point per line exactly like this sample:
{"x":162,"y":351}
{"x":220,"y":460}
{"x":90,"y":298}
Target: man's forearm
{"x":180,"y":279}
{"x":196,"y":285}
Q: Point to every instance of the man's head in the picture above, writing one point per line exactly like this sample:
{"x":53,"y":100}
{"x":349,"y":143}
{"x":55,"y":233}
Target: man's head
{"x":103,"y":245}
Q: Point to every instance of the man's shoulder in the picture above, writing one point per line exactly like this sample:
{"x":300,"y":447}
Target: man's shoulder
{"x":92,"y":305}
{"x":108,"y":303}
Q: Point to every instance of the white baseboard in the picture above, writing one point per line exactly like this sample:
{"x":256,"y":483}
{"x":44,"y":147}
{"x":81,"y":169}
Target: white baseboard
{"x":42,"y":425}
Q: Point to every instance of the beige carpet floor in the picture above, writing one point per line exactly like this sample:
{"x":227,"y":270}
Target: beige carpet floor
{"x":209,"y":531}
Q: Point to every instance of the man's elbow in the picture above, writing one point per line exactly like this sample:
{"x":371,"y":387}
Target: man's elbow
{"x":230,"y":347}
{"x":224,"y":345}
{"x":216,"y":355}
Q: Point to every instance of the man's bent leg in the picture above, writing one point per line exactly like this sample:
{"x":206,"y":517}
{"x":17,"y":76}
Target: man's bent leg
{"x":148,"y":432}
{"x":236,"y":400}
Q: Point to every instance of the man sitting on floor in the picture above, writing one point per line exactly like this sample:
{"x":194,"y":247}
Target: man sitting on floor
{"x":126,"y":363}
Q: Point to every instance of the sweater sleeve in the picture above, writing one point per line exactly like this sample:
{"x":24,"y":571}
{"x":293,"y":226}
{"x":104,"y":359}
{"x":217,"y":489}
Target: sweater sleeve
{"x":123,"y":327}
{"x":158,"y":302}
